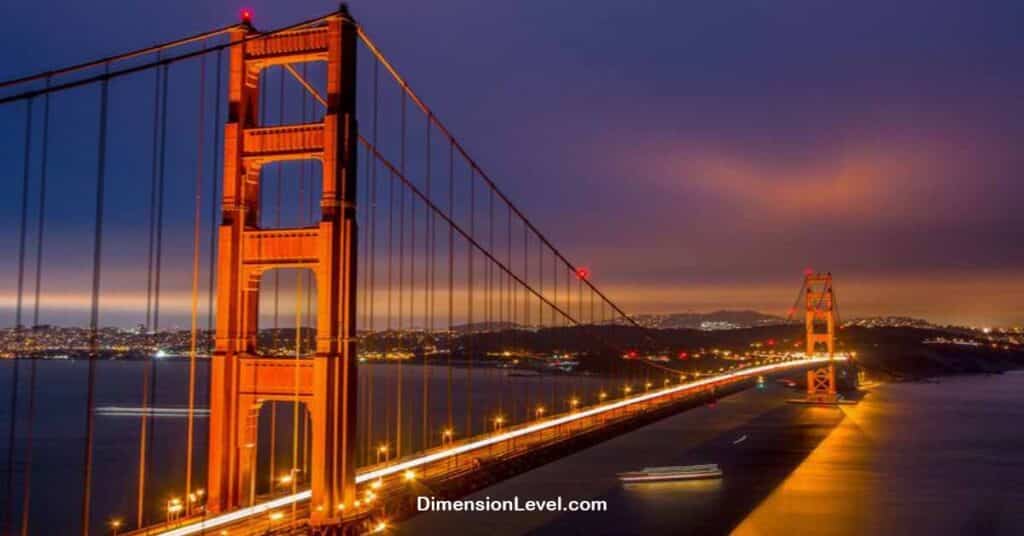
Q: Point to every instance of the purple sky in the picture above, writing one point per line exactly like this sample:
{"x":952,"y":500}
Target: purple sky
{"x":697,"y":155}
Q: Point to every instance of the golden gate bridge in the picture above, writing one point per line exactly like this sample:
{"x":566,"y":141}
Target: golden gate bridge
{"x":377,"y":240}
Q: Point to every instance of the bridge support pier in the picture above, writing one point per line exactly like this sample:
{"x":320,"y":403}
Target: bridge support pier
{"x":241,"y":381}
{"x":820,"y":328}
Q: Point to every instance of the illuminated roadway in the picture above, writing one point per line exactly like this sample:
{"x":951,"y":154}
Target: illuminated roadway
{"x":377,"y":474}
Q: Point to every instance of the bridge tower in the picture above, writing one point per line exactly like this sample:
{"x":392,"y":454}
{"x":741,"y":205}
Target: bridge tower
{"x":820,"y":323}
{"x":242,"y":380}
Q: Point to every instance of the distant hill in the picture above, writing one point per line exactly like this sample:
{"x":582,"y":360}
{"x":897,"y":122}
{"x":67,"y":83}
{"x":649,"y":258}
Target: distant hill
{"x":477,"y":327}
{"x":709,"y":321}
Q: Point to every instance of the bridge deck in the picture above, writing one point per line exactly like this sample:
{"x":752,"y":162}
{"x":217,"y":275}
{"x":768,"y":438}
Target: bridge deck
{"x":387,"y":482}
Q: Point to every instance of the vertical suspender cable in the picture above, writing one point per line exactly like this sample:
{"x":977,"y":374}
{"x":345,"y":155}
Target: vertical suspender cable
{"x":427,"y":298}
{"x":9,"y":518}
{"x":469,"y":323}
{"x":490,"y":286}
{"x":401,"y":282}
{"x":451,"y":276}
{"x":412,"y":295}
{"x":158,"y":259}
{"x":372,"y":257}
{"x":214,"y":200}
{"x":97,"y":259}
{"x":190,"y":429}
{"x":148,"y":364}
{"x":158,"y":251}
{"x":388,"y":318}
{"x":154,"y":162}
{"x":27,"y":484}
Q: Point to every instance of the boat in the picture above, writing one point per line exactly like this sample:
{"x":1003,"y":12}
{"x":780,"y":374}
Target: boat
{"x":675,"y":472}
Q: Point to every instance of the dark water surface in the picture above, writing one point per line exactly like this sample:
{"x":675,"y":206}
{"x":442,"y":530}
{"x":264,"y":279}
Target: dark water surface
{"x":943,"y":458}
{"x":59,"y":427}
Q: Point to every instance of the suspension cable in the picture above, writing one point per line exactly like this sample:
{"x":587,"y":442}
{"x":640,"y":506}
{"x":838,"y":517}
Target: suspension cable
{"x":120,"y":57}
{"x":108,"y":75}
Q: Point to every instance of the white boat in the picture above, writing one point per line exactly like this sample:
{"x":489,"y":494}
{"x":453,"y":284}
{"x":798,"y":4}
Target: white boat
{"x":675,"y":472}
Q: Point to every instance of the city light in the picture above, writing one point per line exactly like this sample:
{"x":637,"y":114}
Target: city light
{"x":409,"y":475}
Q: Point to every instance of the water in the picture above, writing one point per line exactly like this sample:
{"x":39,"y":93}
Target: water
{"x":940,"y":459}
{"x":59,"y":427}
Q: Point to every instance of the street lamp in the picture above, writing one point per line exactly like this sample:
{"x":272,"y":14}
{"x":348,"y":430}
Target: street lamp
{"x":497,"y":422}
{"x":273,"y":518}
{"x":115,"y":526}
{"x":287,"y":479}
{"x":602,"y":395}
{"x":382,"y":451}
{"x":446,"y":436}
{"x":573,"y":403}
{"x":409,"y":475}
{"x":174,"y":508}
{"x":539,"y":412}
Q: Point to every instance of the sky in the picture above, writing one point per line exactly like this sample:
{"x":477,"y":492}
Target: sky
{"x":693,"y":155}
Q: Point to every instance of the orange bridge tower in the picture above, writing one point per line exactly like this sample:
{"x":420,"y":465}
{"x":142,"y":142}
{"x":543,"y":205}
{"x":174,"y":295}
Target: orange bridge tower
{"x":820,"y":322}
{"x":241,"y":379}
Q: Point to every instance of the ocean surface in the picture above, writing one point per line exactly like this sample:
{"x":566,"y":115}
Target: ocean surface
{"x":932,"y":459}
{"x":943,"y":458}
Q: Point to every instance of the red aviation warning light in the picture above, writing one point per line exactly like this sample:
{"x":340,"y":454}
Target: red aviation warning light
{"x":245,"y":14}
{"x":683,"y":355}
{"x":582,"y":274}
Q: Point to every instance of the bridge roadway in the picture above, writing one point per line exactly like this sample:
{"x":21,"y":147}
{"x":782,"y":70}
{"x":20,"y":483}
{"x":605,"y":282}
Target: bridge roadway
{"x":400,"y":479}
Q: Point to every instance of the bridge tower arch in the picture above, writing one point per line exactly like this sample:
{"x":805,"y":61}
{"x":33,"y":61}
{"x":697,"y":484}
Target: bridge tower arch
{"x":241,"y":380}
{"x":820,"y":326}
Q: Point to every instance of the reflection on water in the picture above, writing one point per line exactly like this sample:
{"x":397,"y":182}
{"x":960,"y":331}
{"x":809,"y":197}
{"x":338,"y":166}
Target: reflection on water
{"x":911,"y":458}
{"x":936,"y":459}
{"x":662,"y":489}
